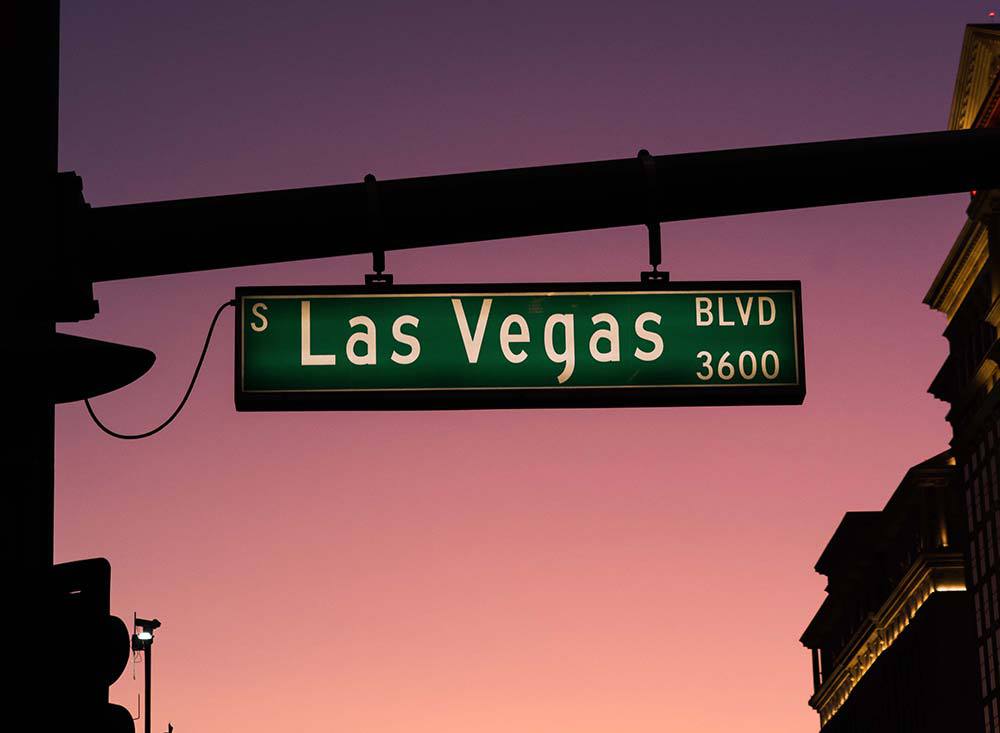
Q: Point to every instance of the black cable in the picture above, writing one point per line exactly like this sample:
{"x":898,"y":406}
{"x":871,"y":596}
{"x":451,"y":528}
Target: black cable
{"x":194,"y":378}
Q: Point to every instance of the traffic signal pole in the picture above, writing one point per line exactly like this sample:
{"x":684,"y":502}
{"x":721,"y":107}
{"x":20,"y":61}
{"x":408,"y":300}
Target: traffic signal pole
{"x":147,"y":670}
{"x":28,"y":212}
{"x":28,"y":451}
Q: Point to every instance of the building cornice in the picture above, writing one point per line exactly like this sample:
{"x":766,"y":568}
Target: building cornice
{"x":931,"y":572}
{"x":961,"y":267}
{"x":989,"y":110}
{"x":977,"y":68}
{"x":975,"y":103}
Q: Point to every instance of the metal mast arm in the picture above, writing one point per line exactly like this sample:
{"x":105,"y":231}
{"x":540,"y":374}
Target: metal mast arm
{"x":257,"y":228}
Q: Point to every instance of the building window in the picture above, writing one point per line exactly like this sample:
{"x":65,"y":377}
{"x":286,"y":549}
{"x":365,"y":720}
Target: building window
{"x":982,"y":672}
{"x":992,"y":477}
{"x":988,"y":530}
{"x":968,"y":506}
{"x":995,"y":598}
{"x":982,"y":555}
{"x":990,"y":664}
{"x":975,"y":499}
{"x":972,"y":562}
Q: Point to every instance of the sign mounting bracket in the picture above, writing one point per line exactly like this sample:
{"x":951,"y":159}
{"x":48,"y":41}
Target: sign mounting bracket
{"x":375,"y":236}
{"x":653,"y":276}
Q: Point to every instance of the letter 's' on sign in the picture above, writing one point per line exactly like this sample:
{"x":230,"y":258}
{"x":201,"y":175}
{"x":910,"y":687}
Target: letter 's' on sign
{"x":529,"y":345}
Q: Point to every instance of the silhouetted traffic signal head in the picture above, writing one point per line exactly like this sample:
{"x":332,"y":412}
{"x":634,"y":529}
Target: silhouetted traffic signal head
{"x":91,"y":648}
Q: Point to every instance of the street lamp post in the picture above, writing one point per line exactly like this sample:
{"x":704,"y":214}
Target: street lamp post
{"x":143,"y":641}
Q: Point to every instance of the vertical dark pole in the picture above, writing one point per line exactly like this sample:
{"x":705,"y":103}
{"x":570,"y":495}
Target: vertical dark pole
{"x":148,"y":662}
{"x":30,"y":219}
{"x":34,"y":110}
{"x":31,"y":210}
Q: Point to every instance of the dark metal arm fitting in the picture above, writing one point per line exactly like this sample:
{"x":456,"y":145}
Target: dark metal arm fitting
{"x":652,"y":221}
{"x":375,"y":236}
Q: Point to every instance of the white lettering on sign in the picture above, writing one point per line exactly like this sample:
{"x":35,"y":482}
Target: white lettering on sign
{"x":760,"y":309}
{"x":405,"y":339}
{"x":703,"y":315}
{"x":507,"y":338}
{"x":609,"y":334}
{"x":258,"y":312}
{"x":309,"y":358}
{"x":703,"y":311}
{"x":366,"y":337}
{"x":744,"y":312}
{"x":472,"y":343}
{"x":769,"y":366}
{"x":651,"y":336}
{"x":722,"y":315}
{"x":568,"y":355}
{"x":514,"y":336}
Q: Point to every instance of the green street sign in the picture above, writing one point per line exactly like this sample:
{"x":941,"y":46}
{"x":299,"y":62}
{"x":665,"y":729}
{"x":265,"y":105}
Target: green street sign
{"x":525,"y":345}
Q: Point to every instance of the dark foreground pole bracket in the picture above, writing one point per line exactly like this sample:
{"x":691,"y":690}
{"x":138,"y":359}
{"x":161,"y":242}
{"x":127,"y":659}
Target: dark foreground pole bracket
{"x":257,"y":228}
{"x":378,"y":276}
{"x":652,"y":223}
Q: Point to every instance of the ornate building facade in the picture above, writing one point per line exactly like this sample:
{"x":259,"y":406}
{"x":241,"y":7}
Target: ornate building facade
{"x":893,"y":647}
{"x":967,"y":291}
{"x":892,"y":651}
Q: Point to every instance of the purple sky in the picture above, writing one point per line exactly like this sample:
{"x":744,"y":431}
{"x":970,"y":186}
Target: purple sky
{"x":639,"y":570}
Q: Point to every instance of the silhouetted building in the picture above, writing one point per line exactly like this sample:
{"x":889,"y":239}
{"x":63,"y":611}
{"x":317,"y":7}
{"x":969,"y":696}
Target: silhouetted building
{"x":893,"y":648}
{"x":966,"y":290}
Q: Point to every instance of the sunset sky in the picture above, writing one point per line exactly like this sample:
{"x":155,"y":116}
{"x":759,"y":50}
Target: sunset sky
{"x":534,"y":571}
